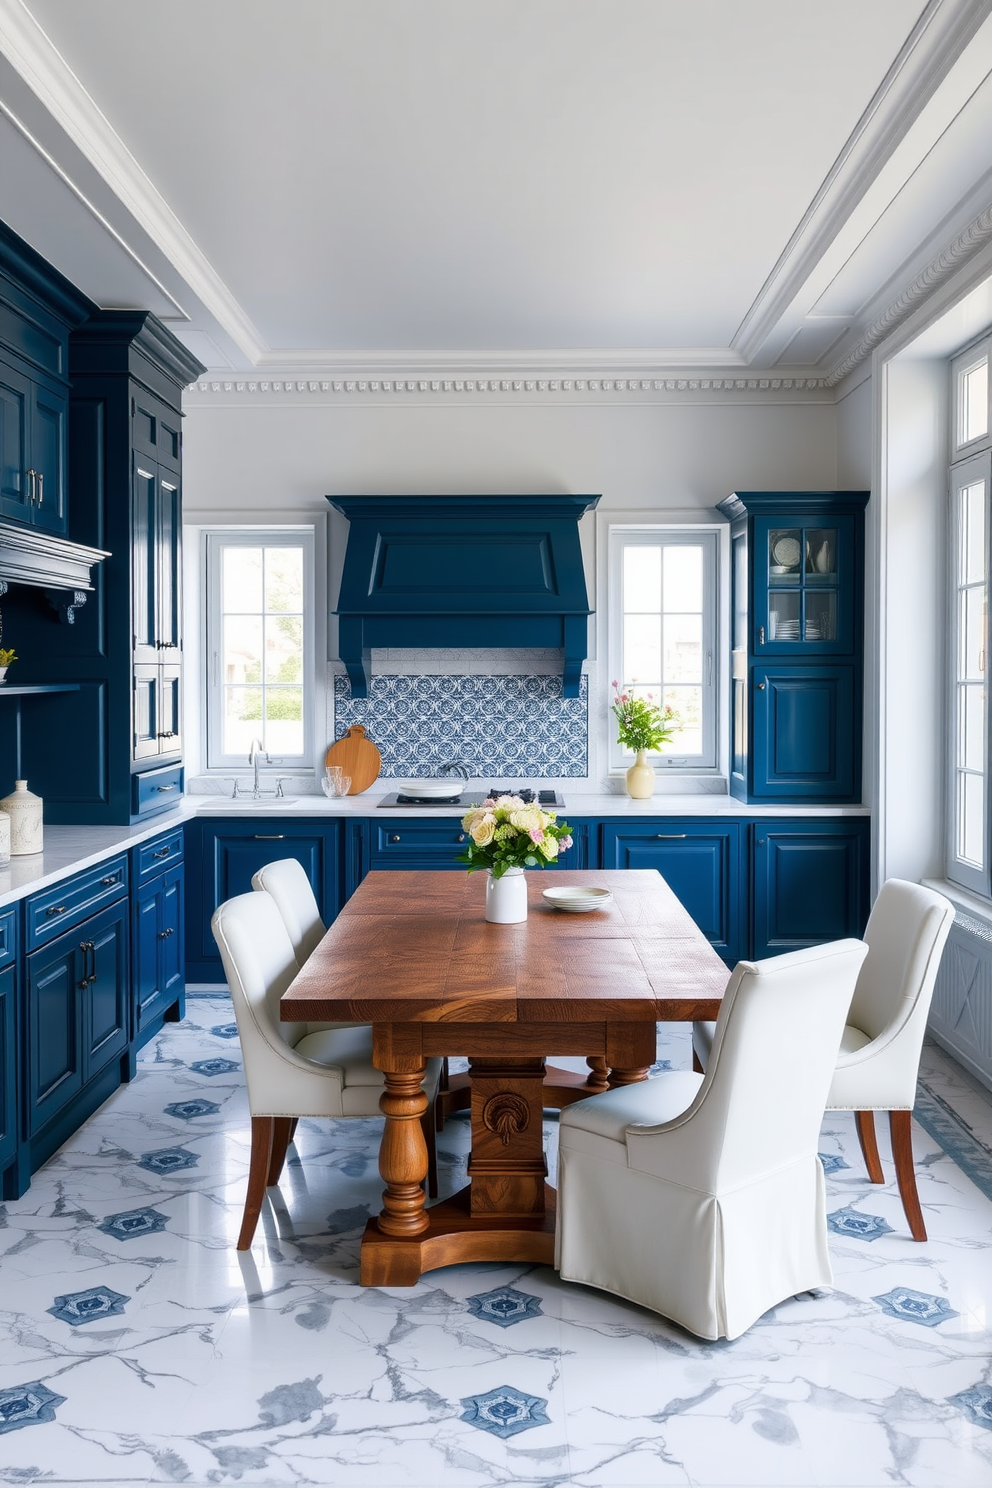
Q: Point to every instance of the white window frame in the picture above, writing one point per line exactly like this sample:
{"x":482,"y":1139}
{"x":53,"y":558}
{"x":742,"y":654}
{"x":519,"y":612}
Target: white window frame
{"x":622,"y":536}
{"x":971,"y":462}
{"x":215,"y":540}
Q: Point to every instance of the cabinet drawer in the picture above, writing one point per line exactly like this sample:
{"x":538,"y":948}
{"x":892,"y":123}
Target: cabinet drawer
{"x":55,"y":910}
{"x":152,"y":858}
{"x":417,"y":843}
{"x":700,"y":862}
{"x":8,"y":937}
{"x":156,"y":790}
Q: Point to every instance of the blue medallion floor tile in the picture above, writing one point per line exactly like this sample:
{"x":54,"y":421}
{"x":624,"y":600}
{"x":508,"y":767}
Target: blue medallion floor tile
{"x":504,"y":1306}
{"x":188,"y":1110}
{"x":134,"y":1224}
{"x":214,"y":1067}
{"x":32,"y":1404}
{"x":856,"y":1225}
{"x":169,"y":1160}
{"x":505,"y":1411}
{"x":91,"y":1306}
{"x":916,"y":1307}
{"x":225,"y":1030}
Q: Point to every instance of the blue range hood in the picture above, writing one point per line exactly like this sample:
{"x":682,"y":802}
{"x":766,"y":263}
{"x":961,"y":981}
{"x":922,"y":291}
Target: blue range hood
{"x":463,"y":571}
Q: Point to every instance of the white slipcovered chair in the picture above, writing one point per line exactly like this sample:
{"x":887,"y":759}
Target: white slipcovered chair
{"x":287,"y":882}
{"x":702,"y":1196}
{"x":879,"y":1060}
{"x":290,"y":1070}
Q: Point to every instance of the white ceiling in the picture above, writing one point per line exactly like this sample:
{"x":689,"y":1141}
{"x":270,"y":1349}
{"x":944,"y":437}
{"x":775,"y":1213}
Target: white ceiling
{"x":393,"y":183}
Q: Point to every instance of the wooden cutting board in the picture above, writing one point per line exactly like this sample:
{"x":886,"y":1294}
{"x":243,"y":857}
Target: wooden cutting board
{"x":358,"y":757}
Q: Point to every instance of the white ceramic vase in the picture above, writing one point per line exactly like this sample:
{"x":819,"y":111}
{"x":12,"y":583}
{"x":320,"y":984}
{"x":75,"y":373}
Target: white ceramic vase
{"x":25,"y":811}
{"x":640,"y":777}
{"x":506,"y":898}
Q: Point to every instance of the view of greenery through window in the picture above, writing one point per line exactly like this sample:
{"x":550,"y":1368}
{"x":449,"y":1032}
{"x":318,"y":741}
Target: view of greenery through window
{"x":663,"y":653}
{"x":262,"y":649}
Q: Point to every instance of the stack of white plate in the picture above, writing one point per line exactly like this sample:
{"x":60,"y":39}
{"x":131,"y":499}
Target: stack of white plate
{"x":578,"y":900}
{"x":787,"y":630}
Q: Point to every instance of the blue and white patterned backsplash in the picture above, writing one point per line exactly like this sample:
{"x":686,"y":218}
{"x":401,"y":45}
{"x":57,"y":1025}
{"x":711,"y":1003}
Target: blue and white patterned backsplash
{"x":504,"y":727}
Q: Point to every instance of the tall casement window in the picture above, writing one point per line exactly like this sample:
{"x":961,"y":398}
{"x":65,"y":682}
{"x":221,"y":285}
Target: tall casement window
{"x":259,"y":646}
{"x":969,"y":815}
{"x":663,"y":616}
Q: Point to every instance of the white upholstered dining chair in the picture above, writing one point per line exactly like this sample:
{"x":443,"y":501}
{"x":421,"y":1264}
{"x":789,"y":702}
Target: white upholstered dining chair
{"x":879,"y":1060}
{"x":702,"y":1196}
{"x":287,"y":882}
{"x":290,"y":1070}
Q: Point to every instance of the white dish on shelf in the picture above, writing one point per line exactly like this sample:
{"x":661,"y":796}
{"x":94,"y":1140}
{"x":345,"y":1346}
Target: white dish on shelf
{"x":578,"y":900}
{"x":787,"y":550}
{"x":781,"y":568}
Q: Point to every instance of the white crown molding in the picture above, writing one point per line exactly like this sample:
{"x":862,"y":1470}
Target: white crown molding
{"x":30,"y":52}
{"x":585,"y":362}
{"x":937,"y":40}
{"x":966,"y":245}
{"x":278,"y":390}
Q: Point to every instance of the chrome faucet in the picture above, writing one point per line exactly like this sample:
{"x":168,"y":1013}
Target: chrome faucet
{"x":255,"y":753}
{"x":256,"y":756}
{"x":455,"y":767}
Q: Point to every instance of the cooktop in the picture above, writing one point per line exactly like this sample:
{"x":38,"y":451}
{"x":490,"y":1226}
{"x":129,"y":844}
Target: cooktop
{"x":550,"y":799}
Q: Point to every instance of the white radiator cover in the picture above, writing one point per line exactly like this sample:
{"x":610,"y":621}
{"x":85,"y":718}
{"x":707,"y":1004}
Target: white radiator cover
{"x":961,"y":1013}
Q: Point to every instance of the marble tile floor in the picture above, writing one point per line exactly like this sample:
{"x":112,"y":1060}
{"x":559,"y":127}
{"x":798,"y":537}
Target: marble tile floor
{"x":136,"y":1346}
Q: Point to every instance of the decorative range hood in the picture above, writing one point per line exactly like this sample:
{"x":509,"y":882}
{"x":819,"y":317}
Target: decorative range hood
{"x":465,"y":571}
{"x":60,"y":567}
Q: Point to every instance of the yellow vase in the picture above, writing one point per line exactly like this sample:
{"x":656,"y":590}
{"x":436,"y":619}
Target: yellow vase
{"x":640,"y":777}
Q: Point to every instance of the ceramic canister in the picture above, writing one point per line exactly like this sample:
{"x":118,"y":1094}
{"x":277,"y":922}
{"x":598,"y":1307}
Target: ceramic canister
{"x":4,"y":837}
{"x":24,"y":809}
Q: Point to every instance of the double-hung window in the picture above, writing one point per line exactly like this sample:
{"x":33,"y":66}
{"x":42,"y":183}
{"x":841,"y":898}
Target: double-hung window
{"x":663,"y":618}
{"x":260,"y":663}
{"x":969,"y":816}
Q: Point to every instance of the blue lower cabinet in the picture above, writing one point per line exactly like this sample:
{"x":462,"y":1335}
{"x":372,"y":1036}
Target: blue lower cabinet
{"x":810,"y":882}
{"x":425,"y":842}
{"x":700,"y":861}
{"x":157,"y":951}
{"x":77,"y":1022}
{"x":222,"y":855}
{"x":807,"y":740}
{"x":9,"y":1083}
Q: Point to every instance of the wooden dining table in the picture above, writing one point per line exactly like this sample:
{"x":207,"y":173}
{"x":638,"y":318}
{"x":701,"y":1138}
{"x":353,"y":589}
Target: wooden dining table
{"x":413,"y":954}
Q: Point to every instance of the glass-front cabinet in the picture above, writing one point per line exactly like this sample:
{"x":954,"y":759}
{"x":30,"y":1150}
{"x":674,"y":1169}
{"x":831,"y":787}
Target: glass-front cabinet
{"x":796,"y":672}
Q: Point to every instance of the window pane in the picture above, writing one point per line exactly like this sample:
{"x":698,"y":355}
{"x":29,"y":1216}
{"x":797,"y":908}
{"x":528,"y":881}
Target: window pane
{"x":683,"y":569}
{"x":642,"y":578}
{"x":971,"y":817}
{"x":242,"y":719}
{"x":972,"y":660}
{"x":241,"y":580}
{"x":284,"y":579}
{"x":683,"y":648}
{"x":284,"y":720}
{"x":642,"y":649}
{"x":284,"y":648}
{"x":973,"y":391}
{"x":242,"y":658}
{"x":971,"y":739}
{"x":972,"y":499}
{"x":688,"y":704}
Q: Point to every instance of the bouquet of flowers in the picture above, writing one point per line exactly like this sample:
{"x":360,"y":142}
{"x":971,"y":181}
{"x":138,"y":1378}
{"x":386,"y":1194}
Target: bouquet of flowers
{"x":641,"y":723}
{"x":507,"y":833}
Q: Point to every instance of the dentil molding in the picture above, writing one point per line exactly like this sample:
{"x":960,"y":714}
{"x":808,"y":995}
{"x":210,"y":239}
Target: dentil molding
{"x":279,"y":389}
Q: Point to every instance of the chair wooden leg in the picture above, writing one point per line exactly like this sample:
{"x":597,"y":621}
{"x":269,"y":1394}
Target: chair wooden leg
{"x":442,"y":1086}
{"x":865,"y":1121}
{"x":262,"y":1133}
{"x":697,"y":1068}
{"x":294,"y":1123}
{"x":282,"y":1135}
{"x":901,"y":1128}
{"x":428,"y":1123}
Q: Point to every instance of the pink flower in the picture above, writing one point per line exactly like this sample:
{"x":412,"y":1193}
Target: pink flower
{"x":535,"y":834}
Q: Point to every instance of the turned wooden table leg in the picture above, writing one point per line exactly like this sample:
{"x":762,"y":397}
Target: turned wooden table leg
{"x":599,"y":1074}
{"x":631,"y":1049}
{"x":403,"y":1155}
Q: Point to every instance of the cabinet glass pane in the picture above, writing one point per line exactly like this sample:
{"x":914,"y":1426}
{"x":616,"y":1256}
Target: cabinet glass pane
{"x":683,"y":648}
{"x":785,"y":550}
{"x":821,"y":551}
{"x":821,"y":616}
{"x":783,"y":615}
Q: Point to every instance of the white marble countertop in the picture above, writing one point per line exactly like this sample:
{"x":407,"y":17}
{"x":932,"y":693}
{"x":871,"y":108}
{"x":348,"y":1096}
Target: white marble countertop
{"x":71,"y":849}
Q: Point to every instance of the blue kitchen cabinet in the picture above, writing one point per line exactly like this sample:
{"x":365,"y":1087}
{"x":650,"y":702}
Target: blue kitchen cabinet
{"x":810,"y":882}
{"x":38,"y":309}
{"x":796,"y":675}
{"x":158,"y":956}
{"x":10,"y":1082}
{"x":700,"y":861}
{"x":222,"y":854}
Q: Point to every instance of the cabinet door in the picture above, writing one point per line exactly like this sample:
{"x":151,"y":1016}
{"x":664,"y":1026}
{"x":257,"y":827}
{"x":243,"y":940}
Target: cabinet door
{"x":158,"y":958}
{"x":55,"y":1071}
{"x":168,"y":564}
{"x":49,"y":417}
{"x":233,"y":851}
{"x":144,"y":560}
{"x":806,"y":739}
{"x":804,"y":586}
{"x":15,"y":404}
{"x":810,"y":883}
{"x":145,"y":722}
{"x":700,"y":861}
{"x":8,"y":1069}
{"x":169,"y":710}
{"x":105,"y":1025}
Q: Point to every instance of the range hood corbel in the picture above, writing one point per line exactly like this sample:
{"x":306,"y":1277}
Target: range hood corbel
{"x":61,"y":568}
{"x":463,"y":571}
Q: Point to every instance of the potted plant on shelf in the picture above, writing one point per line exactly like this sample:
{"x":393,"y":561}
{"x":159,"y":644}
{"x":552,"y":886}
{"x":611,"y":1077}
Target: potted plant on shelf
{"x":642,"y":725}
{"x":506,"y":836}
{"x":7,"y":655}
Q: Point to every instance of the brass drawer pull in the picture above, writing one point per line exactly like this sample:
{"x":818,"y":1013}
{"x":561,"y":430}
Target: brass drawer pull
{"x":113,"y":879}
{"x":163,"y":852}
{"x":55,"y":909}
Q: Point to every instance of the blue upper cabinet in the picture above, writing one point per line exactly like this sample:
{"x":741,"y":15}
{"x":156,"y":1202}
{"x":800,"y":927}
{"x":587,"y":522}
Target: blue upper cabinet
{"x":796,"y":664}
{"x":38,"y":309}
{"x":439,"y":571}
